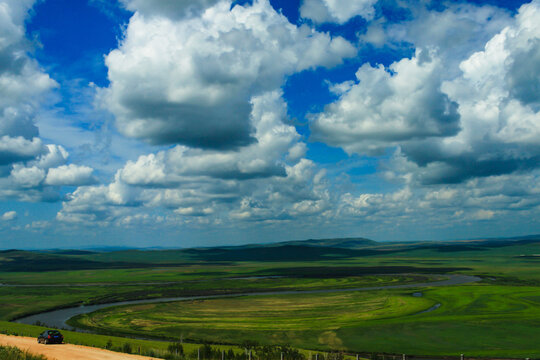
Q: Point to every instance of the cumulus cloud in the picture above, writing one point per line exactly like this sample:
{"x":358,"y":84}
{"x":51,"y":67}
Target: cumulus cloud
{"x":324,"y":11}
{"x":28,"y":167}
{"x":9,"y":216}
{"x":480,"y":122}
{"x":523,"y":75}
{"x":261,"y":159}
{"x":22,"y":84}
{"x":169,"y":8}
{"x":489,"y":199}
{"x":37,"y":226}
{"x":209,"y":84}
{"x":373,"y":206}
{"x":55,"y":155}
{"x":190,"y":81}
{"x":483,"y":215}
{"x":70,"y":175}
{"x":38,"y":179}
{"x":500,"y":127}
{"x":27,"y":177}
{"x":16,"y":149}
{"x":387,"y":107}
{"x":268,"y":180}
{"x":217,"y":201}
{"x":456,"y":30}
{"x":458,"y":117}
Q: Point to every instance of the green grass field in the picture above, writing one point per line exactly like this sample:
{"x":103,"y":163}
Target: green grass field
{"x":13,"y":353}
{"x":497,"y":317}
{"x":269,"y":317}
{"x":115,"y":343}
{"x":18,"y":301}
{"x":152,"y":348}
{"x":480,"y":320}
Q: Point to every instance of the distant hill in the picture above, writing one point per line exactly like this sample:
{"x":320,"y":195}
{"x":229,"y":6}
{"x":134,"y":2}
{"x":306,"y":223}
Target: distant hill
{"x":342,"y":243}
{"x":276,"y":253}
{"x":505,"y":239}
{"x":336,"y":243}
{"x":307,"y":250}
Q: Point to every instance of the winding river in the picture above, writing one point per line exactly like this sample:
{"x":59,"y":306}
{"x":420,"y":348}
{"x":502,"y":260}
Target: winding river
{"x":58,"y":318}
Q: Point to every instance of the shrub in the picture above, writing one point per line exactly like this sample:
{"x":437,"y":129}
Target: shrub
{"x":126,"y":348}
{"x":12,"y":353}
{"x":175,"y":348}
{"x":150,"y":353}
{"x":335,"y":356}
{"x":249,"y":344}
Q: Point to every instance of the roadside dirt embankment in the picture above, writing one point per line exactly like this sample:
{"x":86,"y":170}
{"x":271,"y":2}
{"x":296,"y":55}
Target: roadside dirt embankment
{"x":66,"y":351}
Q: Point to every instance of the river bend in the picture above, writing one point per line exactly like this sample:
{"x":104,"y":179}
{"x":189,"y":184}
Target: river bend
{"x":58,"y":318}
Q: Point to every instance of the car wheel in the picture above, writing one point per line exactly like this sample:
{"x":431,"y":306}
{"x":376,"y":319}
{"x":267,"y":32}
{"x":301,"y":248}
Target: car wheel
{"x":45,"y":341}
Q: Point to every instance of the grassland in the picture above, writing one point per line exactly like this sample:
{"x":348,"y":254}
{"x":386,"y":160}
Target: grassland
{"x":279,"y":318}
{"x":18,"y":301}
{"x":148,"y":347}
{"x":13,"y":353}
{"x":138,"y":346}
{"x":479,"y":320}
{"x":498,"y":317}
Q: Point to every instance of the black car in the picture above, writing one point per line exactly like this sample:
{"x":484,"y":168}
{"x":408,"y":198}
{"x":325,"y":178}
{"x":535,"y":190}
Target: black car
{"x":50,"y":337}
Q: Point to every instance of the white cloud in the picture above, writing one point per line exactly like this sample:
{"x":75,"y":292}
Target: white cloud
{"x":169,"y":8}
{"x":55,"y":156}
{"x":191,"y":211}
{"x":71,"y":174}
{"x":450,"y":125}
{"x":262,"y":179}
{"x":9,"y":216}
{"x":210,"y":84}
{"x":511,"y":197}
{"x":24,"y":90}
{"x":190,"y":81}
{"x":388,"y":107}
{"x":38,"y":225}
{"x":483,"y":215}
{"x":500,"y":129}
{"x":27,"y":177}
{"x":261,"y":159}
{"x":456,"y":31}
{"x":486,"y":171}
{"x":22,"y":83}
{"x":15,"y":149}
{"x":32,"y":180}
{"x":323,"y":11}
{"x":206,"y":80}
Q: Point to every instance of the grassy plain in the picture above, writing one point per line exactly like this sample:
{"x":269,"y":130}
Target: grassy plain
{"x":17,"y":301}
{"x":277,"y":318}
{"x":154,"y":348}
{"x":499,"y":316}
{"x":13,"y":353}
{"x":479,"y":320}
{"x":116,"y":343}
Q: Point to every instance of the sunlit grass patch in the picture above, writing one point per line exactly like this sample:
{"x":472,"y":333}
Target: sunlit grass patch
{"x":13,"y":353}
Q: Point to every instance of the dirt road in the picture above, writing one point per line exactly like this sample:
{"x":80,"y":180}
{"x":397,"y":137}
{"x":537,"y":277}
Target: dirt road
{"x":66,"y":351}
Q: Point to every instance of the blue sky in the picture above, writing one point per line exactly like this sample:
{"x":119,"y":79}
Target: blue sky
{"x":187,"y":123}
